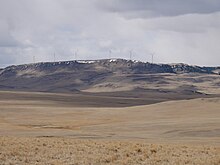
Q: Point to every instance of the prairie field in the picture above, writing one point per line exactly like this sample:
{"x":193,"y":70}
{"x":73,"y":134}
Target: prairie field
{"x":42,"y":128}
{"x":109,"y":82}
{"x":56,"y":151}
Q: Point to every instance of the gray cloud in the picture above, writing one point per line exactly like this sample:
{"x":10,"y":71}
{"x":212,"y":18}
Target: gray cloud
{"x":178,"y":31}
{"x":154,"y":8}
{"x":6,"y":38}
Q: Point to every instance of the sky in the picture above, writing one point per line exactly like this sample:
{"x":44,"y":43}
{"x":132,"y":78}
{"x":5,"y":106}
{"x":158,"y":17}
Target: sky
{"x":175,"y":31}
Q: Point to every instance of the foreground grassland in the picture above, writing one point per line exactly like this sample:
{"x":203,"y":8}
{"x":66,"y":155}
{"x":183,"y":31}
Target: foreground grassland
{"x":50,"y":129}
{"x":54,"y":151}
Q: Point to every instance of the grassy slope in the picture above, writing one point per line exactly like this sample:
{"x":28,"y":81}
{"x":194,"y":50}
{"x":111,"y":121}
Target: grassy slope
{"x":36,"y":129}
{"x":190,"y":120}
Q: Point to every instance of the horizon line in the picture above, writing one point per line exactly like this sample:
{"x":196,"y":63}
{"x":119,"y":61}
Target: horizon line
{"x":133,"y":60}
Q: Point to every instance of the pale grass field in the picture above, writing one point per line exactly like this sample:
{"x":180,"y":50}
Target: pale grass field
{"x":65,"y":151}
{"x":48,"y":132}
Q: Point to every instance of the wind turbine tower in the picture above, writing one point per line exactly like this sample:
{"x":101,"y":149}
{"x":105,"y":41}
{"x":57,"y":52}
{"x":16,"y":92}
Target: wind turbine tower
{"x":152,"y":57}
{"x":110,"y":53}
{"x":131,"y":53}
{"x":33,"y":59}
{"x":76,"y":53}
{"x":54,"y":57}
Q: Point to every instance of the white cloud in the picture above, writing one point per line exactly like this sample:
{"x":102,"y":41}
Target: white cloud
{"x":175,"y":32}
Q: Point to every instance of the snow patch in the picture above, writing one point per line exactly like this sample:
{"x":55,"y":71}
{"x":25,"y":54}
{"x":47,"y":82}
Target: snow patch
{"x":86,"y":61}
{"x":112,"y":60}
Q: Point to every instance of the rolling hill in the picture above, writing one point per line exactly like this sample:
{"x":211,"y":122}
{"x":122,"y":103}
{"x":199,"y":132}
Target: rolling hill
{"x":109,"y":75}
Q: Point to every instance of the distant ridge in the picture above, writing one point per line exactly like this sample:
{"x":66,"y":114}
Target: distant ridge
{"x":132,"y":65}
{"x":104,"y":74}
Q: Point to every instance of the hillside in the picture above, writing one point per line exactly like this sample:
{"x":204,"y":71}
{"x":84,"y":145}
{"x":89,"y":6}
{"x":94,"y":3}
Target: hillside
{"x":109,"y":112}
{"x":41,"y":114}
{"x":109,"y":75}
{"x":42,"y":131}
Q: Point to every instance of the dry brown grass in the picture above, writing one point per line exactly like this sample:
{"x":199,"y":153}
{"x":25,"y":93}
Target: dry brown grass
{"x":54,"y":151}
{"x":194,"y":121}
{"x":176,"y":132}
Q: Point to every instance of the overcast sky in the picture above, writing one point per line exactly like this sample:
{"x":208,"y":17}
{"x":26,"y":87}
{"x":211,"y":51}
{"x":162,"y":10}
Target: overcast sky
{"x":186,"y":31}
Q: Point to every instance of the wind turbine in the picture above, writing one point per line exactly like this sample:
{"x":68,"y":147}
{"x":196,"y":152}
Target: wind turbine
{"x":76,"y":53}
{"x":110,"y":53}
{"x":33,"y":59}
{"x":131,"y":53}
{"x":152,"y":57}
{"x":54,"y":57}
